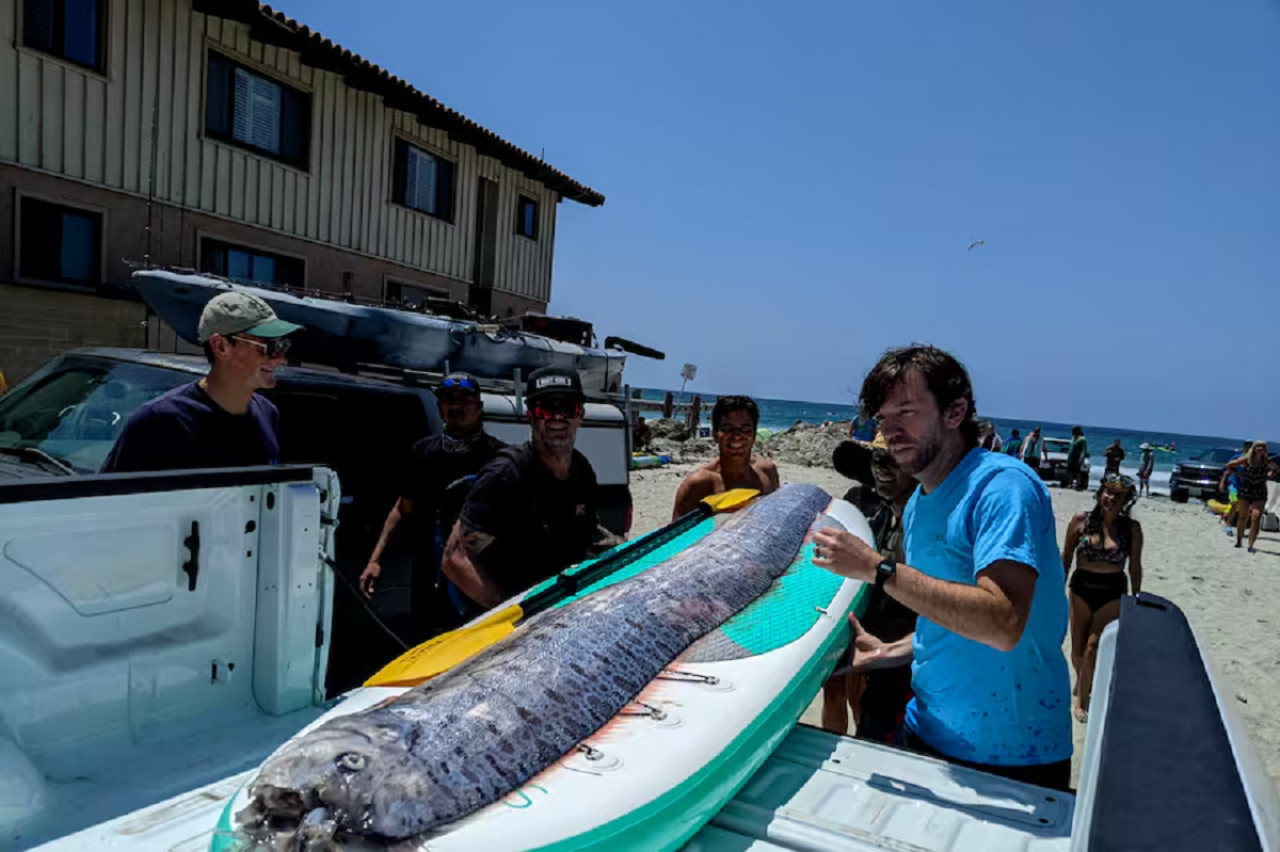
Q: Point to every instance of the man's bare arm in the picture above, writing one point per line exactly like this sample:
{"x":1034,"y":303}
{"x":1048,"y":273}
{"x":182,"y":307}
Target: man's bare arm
{"x":401,"y":510}
{"x":993,"y":612}
{"x":769,"y":473}
{"x":696,"y":485}
{"x":463,"y":565}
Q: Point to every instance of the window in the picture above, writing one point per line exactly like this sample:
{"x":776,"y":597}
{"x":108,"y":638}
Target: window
{"x":71,"y":29}
{"x":59,"y":243}
{"x":250,"y":265}
{"x":527,"y":217}
{"x":257,"y":112}
{"x":423,"y":181}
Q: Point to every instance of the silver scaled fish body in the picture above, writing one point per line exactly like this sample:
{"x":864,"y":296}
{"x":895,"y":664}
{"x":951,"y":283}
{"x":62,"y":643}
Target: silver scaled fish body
{"x":466,"y":738}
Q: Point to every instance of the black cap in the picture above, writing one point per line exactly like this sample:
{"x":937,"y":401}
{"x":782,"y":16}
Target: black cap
{"x":460,"y":381}
{"x":852,"y":459}
{"x":553,"y":381}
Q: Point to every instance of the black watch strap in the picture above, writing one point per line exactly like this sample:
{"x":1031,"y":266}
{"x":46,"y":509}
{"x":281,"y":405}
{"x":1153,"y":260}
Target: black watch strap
{"x":886,"y":569}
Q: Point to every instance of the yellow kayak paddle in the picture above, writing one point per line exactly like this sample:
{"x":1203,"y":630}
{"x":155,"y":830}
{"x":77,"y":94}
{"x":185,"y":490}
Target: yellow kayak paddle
{"x":447,"y":650}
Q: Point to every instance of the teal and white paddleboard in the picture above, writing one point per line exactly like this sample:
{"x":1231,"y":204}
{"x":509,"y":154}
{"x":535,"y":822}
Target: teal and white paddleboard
{"x":651,"y":777}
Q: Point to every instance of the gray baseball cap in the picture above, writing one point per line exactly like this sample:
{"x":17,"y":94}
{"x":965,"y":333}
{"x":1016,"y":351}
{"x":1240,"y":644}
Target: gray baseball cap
{"x":241,"y":313}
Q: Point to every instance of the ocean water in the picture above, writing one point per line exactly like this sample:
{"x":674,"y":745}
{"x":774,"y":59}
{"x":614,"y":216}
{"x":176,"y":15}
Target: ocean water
{"x":779,"y":414}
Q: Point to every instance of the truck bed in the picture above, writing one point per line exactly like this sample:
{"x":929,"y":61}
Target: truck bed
{"x":817,"y":791}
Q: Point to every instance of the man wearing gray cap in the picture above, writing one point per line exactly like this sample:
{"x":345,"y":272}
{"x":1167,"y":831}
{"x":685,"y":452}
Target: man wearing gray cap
{"x":220,"y":420}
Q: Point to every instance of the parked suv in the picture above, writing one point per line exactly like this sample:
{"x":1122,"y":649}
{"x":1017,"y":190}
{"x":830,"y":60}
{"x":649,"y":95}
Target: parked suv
{"x":1053,"y":466}
{"x":63,"y":420}
{"x":1200,"y":475}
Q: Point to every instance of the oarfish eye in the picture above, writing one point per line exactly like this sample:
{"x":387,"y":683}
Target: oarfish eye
{"x":351,"y":762}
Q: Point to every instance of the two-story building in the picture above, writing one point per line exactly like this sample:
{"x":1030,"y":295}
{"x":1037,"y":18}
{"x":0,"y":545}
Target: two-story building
{"x":222,"y":136}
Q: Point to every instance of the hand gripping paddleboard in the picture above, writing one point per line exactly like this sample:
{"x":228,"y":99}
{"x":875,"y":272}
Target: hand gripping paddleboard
{"x":663,"y":766}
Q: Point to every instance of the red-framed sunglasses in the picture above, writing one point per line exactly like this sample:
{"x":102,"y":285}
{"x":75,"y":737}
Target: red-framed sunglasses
{"x":550,"y":409}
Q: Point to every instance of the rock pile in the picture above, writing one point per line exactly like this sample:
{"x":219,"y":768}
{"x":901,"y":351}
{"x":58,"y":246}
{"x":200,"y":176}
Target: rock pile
{"x":805,"y":443}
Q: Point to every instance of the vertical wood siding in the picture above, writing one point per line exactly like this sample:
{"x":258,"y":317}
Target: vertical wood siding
{"x":149,"y":103}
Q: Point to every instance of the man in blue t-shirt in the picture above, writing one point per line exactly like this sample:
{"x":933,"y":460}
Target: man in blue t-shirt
{"x":982,"y":570}
{"x":220,"y":420}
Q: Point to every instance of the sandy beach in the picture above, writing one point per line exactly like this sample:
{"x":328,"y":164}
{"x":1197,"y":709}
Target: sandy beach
{"x":1228,"y":594}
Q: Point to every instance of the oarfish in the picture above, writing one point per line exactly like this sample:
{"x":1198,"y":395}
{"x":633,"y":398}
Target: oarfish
{"x":463,"y":740}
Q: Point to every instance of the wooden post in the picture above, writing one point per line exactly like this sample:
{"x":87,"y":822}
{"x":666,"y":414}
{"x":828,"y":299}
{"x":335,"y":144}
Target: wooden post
{"x":695,"y":408}
{"x":668,"y":405}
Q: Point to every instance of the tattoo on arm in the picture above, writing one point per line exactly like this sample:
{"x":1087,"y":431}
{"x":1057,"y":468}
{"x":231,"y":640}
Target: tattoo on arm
{"x":464,"y":565}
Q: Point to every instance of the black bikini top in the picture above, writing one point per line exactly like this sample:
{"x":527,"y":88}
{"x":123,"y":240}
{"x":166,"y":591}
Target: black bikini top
{"x":1096,"y":553}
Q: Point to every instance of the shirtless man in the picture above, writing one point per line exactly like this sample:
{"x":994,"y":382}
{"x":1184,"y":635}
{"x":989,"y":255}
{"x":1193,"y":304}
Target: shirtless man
{"x":733,"y":422}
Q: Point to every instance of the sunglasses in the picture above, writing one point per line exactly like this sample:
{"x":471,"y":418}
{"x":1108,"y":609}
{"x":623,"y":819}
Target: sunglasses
{"x":459,"y":384}
{"x":275,"y":347}
{"x":745,"y":431}
{"x":1118,"y":482}
{"x":550,"y":410}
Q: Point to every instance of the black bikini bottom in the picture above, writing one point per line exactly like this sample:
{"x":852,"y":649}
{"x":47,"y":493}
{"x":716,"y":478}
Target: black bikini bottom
{"x":1097,"y":589}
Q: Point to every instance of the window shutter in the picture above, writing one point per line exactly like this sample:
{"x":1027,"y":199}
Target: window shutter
{"x":422,"y":180}
{"x":217,"y":103}
{"x":265,"y":114}
{"x":37,"y":23}
{"x":241,"y":107}
{"x":444,"y":188}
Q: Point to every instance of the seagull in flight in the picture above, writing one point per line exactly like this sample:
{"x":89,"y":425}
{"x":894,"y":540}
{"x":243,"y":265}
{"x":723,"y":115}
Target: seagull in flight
{"x":976,"y":243}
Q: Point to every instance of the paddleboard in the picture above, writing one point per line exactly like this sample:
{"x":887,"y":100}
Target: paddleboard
{"x":661,"y":768}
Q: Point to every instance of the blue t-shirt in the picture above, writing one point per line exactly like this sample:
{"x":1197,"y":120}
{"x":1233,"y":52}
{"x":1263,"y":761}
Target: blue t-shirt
{"x":973,"y":702}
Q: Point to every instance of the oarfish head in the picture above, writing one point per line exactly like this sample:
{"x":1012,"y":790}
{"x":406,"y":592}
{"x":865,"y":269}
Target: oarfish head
{"x":344,"y":779}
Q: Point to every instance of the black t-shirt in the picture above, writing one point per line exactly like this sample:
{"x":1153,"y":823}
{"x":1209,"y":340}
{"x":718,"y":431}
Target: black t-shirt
{"x":438,"y":462}
{"x":1114,"y":456}
{"x":540,"y":525}
{"x":184,"y":429}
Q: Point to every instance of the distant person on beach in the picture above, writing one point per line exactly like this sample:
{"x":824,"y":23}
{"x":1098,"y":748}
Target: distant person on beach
{"x":1100,"y":541}
{"x":1033,"y":450}
{"x":734,"y":421}
{"x":1146,"y":464}
{"x":1013,"y":446}
{"x":983,"y":570}
{"x":1251,"y":472}
{"x":641,"y":434}
{"x":1076,"y":453}
{"x":988,"y":437}
{"x":1115,"y":455}
{"x":878,"y":698}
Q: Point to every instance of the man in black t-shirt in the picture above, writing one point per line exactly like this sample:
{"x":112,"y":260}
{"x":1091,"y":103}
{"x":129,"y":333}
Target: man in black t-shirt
{"x":532,"y":510}
{"x":431,"y":497}
{"x":220,"y":420}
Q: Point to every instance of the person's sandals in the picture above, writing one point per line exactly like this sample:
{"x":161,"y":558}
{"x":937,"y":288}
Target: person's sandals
{"x":1253,"y":550}
{"x":1081,"y":715}
{"x":1237,"y":544}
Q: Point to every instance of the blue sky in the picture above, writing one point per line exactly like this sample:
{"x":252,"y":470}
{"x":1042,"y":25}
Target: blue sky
{"x":792,"y":189}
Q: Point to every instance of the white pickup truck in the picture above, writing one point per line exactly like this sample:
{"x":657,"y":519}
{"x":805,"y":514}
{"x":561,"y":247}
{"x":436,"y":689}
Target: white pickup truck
{"x":161,"y":633}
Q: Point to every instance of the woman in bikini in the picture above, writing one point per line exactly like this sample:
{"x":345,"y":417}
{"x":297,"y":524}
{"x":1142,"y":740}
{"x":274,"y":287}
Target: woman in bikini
{"x":1251,"y":471}
{"x":1101,"y":542}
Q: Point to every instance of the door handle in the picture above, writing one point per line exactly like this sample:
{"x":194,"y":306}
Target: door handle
{"x":192,"y":565}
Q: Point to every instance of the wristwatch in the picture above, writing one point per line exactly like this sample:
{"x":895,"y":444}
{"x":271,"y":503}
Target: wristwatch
{"x":886,"y":569}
